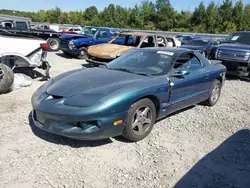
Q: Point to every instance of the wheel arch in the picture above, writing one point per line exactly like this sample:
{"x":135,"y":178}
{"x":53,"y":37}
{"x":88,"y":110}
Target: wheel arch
{"x":12,"y":58}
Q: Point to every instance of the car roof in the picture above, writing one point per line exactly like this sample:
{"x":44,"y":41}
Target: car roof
{"x":246,"y":32}
{"x":174,"y":50}
{"x":137,"y":33}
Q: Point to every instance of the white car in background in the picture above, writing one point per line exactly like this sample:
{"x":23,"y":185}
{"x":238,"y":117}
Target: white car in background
{"x":18,"y":52}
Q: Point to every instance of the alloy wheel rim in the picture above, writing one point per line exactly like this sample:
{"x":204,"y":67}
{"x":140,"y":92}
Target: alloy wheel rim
{"x":215,"y":93}
{"x":53,"y":44}
{"x":82,"y":53}
{"x":142,"y":120}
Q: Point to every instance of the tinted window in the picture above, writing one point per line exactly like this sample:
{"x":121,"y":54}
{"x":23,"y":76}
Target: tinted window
{"x":187,"y":38}
{"x":89,"y":31}
{"x":242,"y":38}
{"x":148,"y":42}
{"x":21,"y":25}
{"x":102,"y":34}
{"x":127,"y":40}
{"x":187,"y":62}
{"x":144,"y":62}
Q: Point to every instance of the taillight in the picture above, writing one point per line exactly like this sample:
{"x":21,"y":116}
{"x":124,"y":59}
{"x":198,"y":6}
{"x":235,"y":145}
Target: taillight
{"x":45,"y":46}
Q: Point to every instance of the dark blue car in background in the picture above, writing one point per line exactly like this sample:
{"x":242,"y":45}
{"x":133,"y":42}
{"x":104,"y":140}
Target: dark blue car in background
{"x":128,"y":95}
{"x":203,"y":46}
{"x":76,"y":45}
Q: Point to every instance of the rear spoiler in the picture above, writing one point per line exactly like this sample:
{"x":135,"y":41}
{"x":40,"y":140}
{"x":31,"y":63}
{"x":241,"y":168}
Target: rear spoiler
{"x":215,"y":61}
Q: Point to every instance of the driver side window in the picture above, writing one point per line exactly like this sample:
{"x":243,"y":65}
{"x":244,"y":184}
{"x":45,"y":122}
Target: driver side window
{"x":102,"y":34}
{"x":187,"y":61}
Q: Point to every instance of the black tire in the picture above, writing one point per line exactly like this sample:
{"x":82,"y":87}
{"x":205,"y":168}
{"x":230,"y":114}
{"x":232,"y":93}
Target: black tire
{"x":129,"y":131}
{"x":214,"y":95}
{"x":83,"y":52}
{"x":53,"y":44}
{"x":6,"y":78}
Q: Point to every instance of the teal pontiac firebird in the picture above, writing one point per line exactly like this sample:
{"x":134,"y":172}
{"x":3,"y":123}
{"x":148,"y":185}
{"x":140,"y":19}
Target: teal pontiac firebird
{"x":126,"y":96}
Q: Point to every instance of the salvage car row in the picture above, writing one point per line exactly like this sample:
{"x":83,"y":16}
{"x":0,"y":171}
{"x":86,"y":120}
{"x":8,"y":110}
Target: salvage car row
{"x":100,"y":46}
{"x":142,"y":79}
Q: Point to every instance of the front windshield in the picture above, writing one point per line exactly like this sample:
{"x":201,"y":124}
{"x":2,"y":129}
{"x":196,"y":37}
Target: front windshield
{"x":89,"y":31}
{"x":149,"y":63}
{"x":240,"y":38}
{"x":197,"y":43}
{"x":187,"y":38}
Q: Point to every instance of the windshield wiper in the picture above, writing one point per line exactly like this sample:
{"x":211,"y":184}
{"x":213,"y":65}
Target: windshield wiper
{"x":130,"y":71}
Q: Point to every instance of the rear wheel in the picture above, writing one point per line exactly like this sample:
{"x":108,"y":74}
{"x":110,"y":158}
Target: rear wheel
{"x":140,"y":120}
{"x":214,"y":93}
{"x":53,"y":44}
{"x":6,"y":78}
{"x":82,"y":53}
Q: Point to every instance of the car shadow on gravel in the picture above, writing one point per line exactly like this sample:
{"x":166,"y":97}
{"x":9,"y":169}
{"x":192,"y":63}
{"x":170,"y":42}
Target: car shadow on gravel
{"x":60,"y":54}
{"x":60,"y":140}
{"x":226,"y":166}
{"x":237,"y":78}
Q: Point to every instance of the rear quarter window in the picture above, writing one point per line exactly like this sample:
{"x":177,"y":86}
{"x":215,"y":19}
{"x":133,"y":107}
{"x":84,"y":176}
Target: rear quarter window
{"x":21,"y":25}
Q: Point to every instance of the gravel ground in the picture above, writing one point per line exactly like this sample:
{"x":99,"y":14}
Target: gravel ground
{"x":199,"y":147}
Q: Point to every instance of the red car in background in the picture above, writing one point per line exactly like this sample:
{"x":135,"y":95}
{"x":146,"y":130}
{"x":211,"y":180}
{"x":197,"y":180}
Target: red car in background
{"x":71,"y":31}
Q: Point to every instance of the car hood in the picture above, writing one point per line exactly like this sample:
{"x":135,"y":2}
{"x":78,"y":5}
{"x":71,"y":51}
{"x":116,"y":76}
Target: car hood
{"x":240,"y":47}
{"x":92,"y":81}
{"x":108,"y":51}
{"x":193,"y":47}
{"x":72,"y":36}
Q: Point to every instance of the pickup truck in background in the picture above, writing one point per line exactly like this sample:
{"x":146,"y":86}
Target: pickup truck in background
{"x":22,"y":27}
{"x":77,"y":45}
{"x":234,"y":53}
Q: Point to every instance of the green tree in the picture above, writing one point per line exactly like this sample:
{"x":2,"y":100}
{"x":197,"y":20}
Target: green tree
{"x":246,"y":16}
{"x":90,"y":13}
{"x":211,"y":17}
{"x":238,"y":14}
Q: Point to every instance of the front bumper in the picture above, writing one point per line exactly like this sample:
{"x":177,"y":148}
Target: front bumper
{"x":68,"y":126}
{"x":74,"y":51}
{"x":240,"y":69}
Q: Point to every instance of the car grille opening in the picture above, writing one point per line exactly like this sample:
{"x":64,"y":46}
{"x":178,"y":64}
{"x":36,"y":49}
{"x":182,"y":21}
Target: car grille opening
{"x":56,"y":96}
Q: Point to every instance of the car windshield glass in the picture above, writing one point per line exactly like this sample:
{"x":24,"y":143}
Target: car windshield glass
{"x":187,"y":38}
{"x":241,"y":38}
{"x":149,"y":63}
{"x":197,"y":42}
{"x":89,"y":31}
{"x":127,"y":40}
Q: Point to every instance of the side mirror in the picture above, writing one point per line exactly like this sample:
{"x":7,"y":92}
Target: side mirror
{"x":180,"y":73}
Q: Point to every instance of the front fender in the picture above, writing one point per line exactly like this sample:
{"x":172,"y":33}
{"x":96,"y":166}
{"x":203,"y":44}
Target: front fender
{"x":122,"y":99}
{"x":83,"y":42}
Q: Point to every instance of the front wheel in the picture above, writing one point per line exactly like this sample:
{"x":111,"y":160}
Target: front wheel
{"x":214,"y":93}
{"x":140,"y":120}
{"x":82,"y":53}
{"x":6,"y":78}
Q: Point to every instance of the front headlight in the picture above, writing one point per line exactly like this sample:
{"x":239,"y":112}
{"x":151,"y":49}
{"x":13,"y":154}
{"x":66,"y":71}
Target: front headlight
{"x":71,"y":44}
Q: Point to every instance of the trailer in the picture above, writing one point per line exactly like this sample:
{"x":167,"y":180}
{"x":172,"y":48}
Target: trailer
{"x":21,"y":26}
